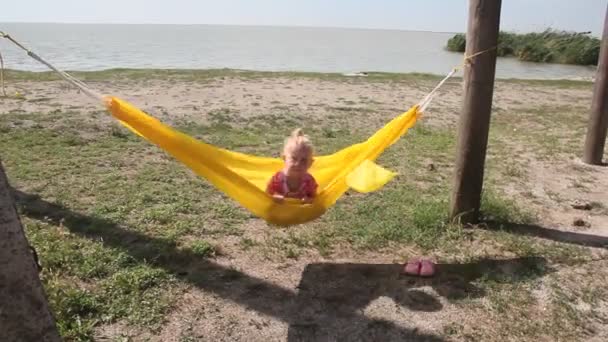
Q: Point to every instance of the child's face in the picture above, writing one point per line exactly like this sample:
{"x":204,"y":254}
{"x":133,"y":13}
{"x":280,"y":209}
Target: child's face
{"x":298,"y":160}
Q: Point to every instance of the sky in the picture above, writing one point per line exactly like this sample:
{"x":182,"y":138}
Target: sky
{"x":424,"y":15}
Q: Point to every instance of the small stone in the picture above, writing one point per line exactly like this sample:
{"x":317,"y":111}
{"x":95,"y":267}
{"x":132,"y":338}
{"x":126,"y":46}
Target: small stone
{"x":579,"y":222}
{"x":580,"y":205}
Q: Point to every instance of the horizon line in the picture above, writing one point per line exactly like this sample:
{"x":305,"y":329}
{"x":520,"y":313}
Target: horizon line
{"x":235,"y":25}
{"x":591,"y":33}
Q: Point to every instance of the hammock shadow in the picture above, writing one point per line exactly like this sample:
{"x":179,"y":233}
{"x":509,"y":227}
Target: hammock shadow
{"x":581,"y":239}
{"x":246,"y":290}
{"x":330,"y":294}
{"x":330,"y":298}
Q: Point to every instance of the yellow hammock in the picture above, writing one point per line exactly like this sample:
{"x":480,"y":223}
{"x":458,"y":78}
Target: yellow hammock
{"x":244,"y":177}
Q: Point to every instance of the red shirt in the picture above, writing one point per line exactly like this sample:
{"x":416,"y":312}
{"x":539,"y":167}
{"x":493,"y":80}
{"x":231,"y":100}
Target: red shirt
{"x":278,"y":185}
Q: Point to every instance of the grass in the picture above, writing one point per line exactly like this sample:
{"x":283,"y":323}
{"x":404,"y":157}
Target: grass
{"x":545,"y":131}
{"x":203,"y":248}
{"x":89,"y":284}
{"x":495,"y":207}
{"x":370,"y":223}
{"x":117,"y":222}
{"x":549,"y":46}
{"x":205,"y":75}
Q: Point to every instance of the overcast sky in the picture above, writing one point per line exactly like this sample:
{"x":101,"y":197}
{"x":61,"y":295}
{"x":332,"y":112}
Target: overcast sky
{"x":431,"y":15}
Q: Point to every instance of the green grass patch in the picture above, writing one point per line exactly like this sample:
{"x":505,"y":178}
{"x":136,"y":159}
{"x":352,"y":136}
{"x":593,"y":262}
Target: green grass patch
{"x":544,"y":130}
{"x":394,"y":215}
{"x":89,"y":284}
{"x":497,"y":207}
{"x":203,"y":248}
{"x":205,"y":75}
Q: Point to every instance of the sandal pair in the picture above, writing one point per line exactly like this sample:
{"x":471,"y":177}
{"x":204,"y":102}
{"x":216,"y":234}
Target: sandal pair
{"x":420,"y":268}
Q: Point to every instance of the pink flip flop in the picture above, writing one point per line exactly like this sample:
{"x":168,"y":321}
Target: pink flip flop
{"x":421,"y":268}
{"x":412,"y":267}
{"x":427,"y":268}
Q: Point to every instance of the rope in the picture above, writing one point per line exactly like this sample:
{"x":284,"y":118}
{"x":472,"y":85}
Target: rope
{"x":75,"y":82}
{"x":429,"y":97}
{"x":2,"y":75}
{"x":465,"y":61}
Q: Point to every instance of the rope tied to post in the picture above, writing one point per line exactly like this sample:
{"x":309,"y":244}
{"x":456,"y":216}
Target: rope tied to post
{"x":465,"y":61}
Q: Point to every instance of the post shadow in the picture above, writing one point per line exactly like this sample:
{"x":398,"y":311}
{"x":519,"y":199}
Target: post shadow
{"x":574,"y":238}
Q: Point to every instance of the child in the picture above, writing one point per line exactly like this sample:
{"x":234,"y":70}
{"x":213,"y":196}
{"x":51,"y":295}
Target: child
{"x":294,"y":181}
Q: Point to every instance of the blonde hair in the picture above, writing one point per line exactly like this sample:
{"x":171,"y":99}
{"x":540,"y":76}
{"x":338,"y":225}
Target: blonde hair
{"x":297,"y":140}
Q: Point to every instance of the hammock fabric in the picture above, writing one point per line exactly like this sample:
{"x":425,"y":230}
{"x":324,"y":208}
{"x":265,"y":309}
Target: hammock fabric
{"x":244,"y":177}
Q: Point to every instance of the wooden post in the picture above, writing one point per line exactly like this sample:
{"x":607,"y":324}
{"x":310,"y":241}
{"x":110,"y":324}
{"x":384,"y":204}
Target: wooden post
{"x":474,"y":122}
{"x":24,"y":310}
{"x":598,"y":119}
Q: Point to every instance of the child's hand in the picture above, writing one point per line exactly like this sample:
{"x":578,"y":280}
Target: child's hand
{"x":307,"y":200}
{"x":278,"y":198}
{"x":107,"y":101}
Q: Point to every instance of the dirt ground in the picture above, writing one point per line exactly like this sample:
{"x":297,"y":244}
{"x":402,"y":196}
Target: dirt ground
{"x":356,"y":295}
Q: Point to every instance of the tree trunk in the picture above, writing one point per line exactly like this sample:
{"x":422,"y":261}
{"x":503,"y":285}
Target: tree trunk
{"x":474,"y":121}
{"x":598,"y":119}
{"x":24,"y":311}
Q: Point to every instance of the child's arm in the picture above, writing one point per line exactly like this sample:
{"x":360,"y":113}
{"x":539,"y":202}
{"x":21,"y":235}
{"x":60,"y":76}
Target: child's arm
{"x":271,"y":189}
{"x":311,"y":190}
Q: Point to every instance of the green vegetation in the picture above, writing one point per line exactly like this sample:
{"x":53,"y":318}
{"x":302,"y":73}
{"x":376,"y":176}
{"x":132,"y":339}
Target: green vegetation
{"x":549,"y":46}
{"x":203,"y":75}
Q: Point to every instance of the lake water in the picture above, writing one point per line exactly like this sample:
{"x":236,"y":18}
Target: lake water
{"x":98,"y":46}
